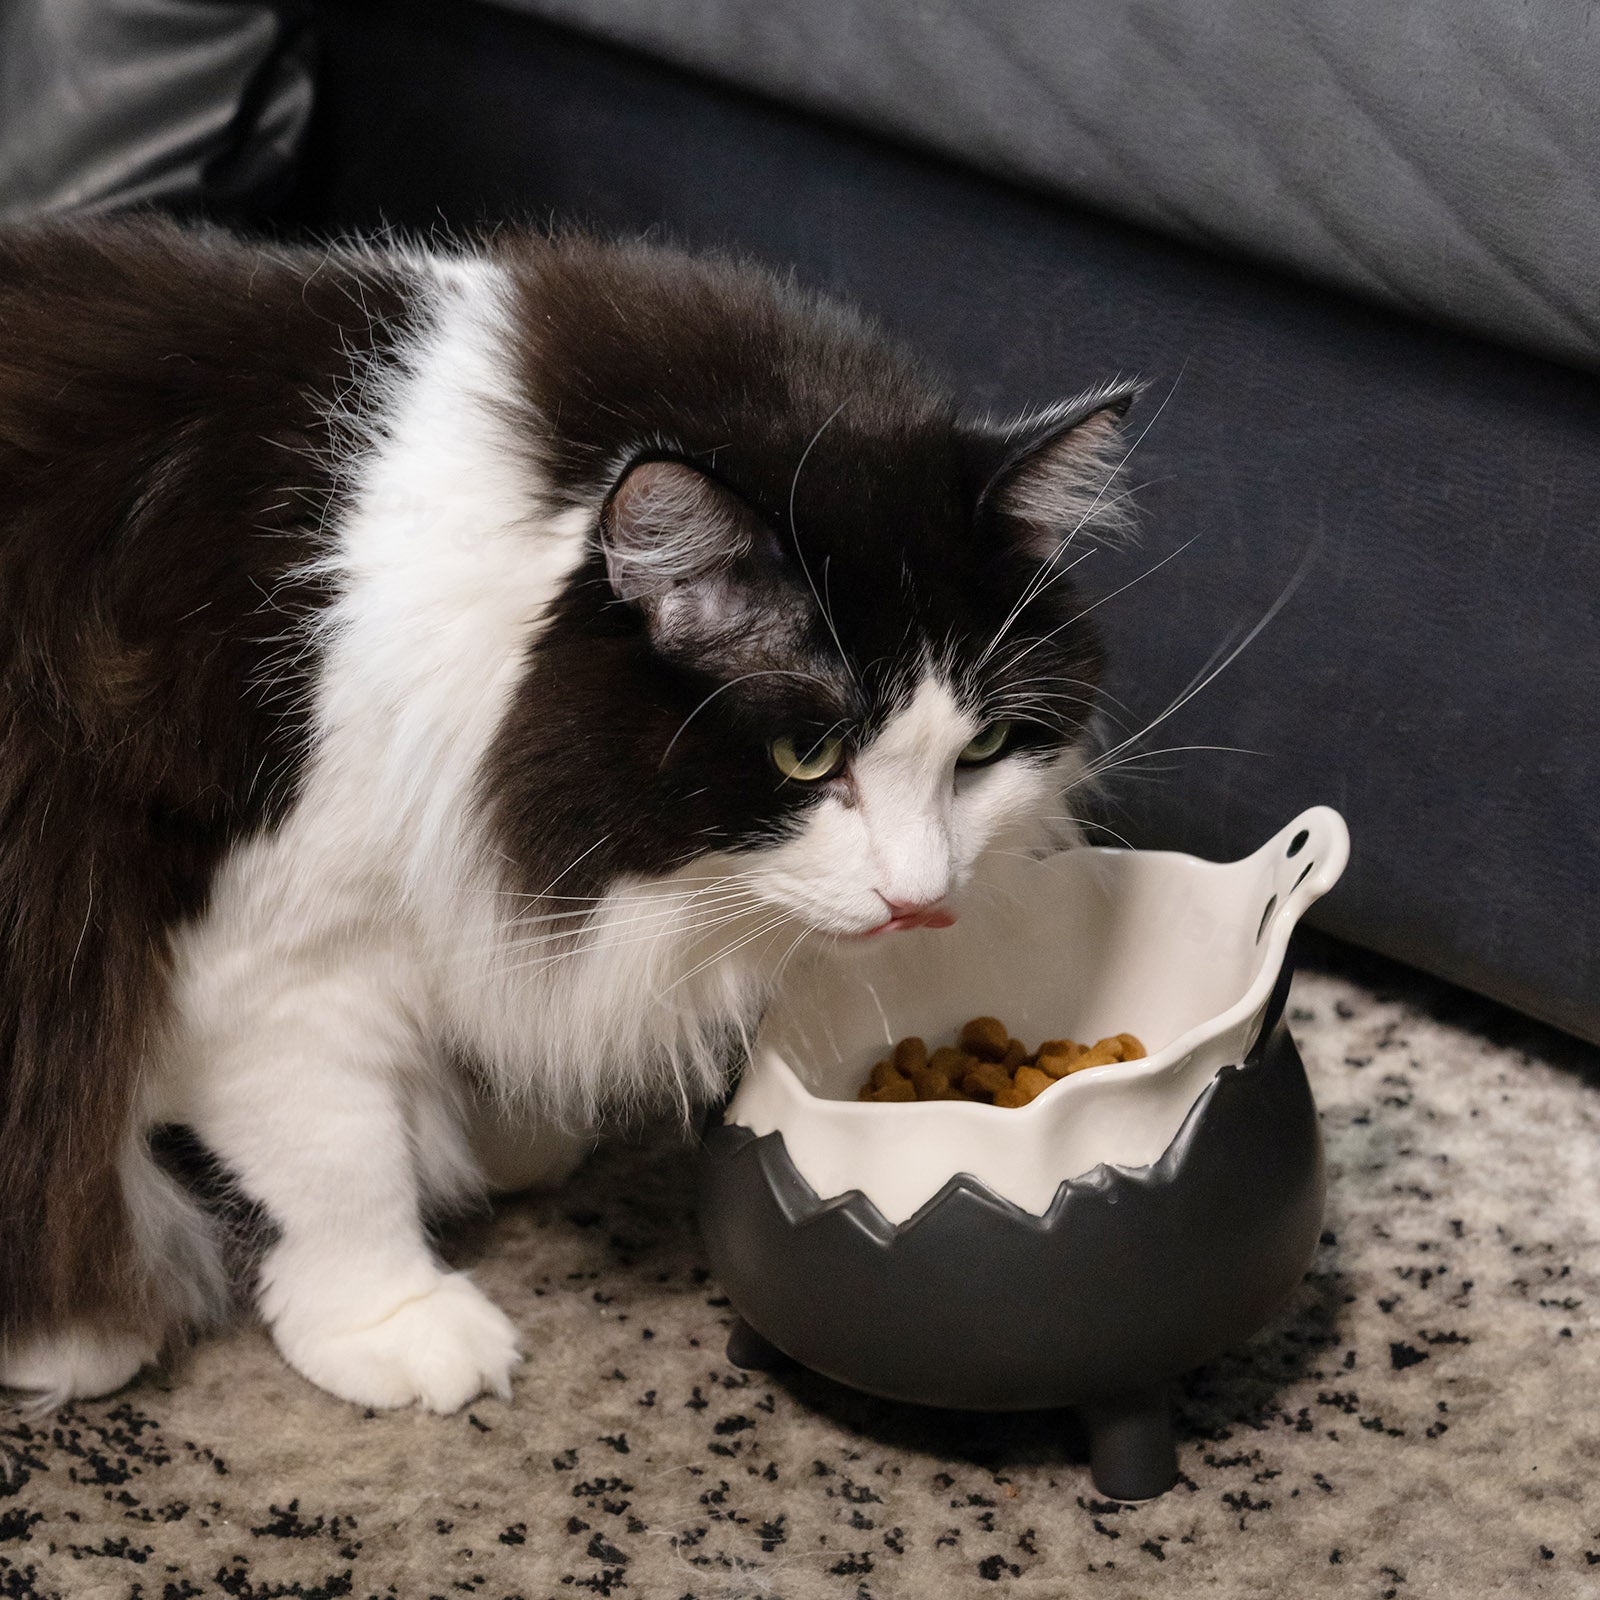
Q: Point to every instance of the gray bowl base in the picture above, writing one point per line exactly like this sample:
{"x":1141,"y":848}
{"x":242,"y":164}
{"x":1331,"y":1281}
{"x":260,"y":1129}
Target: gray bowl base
{"x":1130,"y":1278}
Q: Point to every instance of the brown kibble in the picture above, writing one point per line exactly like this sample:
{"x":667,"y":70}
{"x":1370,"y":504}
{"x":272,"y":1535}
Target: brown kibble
{"x":988,"y":1066}
{"x":986,"y":1037}
{"x":1103,"y":1054}
{"x":987,"y":1078}
{"x":897,"y":1089}
{"x":1030,"y":1081}
{"x":1062,"y":1056}
{"x":886,"y":1083}
{"x":882,"y":1073}
{"x":932,"y":1083}
{"x":1098,"y":1055}
{"x":1026,"y":1086}
{"x":909,"y":1055}
{"x":1118,"y":1047}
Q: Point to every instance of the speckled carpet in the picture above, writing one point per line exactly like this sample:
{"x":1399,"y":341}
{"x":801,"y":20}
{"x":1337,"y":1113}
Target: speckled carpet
{"x":1423,"y":1420}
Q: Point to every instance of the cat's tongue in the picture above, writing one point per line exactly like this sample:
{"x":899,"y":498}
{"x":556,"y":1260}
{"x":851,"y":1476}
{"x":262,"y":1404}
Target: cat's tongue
{"x":931,"y":917}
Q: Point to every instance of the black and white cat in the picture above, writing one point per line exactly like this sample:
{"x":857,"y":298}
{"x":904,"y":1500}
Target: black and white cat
{"x":438,"y":691}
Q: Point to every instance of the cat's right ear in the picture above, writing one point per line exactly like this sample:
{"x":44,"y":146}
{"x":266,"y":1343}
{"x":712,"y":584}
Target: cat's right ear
{"x":1053,"y":474}
{"x":686,"y":550}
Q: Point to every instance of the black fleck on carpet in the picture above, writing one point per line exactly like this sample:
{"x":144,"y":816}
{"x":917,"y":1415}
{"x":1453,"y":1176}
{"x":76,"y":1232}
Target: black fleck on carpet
{"x":1422,"y":1420}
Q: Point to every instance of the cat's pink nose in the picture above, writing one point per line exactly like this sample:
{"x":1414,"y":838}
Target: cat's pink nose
{"x":912,"y":914}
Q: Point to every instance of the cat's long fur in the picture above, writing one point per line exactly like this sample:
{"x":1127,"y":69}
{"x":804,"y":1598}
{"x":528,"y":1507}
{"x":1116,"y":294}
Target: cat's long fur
{"x":390,"y":643}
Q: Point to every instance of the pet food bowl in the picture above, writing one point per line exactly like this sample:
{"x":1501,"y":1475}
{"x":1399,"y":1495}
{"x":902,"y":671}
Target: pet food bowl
{"x":1132,"y":1222}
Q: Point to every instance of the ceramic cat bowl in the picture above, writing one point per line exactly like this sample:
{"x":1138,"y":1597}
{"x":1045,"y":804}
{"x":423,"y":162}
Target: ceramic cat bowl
{"x":1132,"y":1222}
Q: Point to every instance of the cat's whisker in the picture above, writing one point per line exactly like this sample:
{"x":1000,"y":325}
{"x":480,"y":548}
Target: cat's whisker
{"x":1044,"y":691}
{"x":555,"y":944}
{"x":629,"y":898}
{"x":1094,"y":822}
{"x":1045,"y":577}
{"x":603,"y":946}
{"x":583,"y":855}
{"x":1055,"y":577}
{"x":1030,"y":591}
{"x":662,"y":919}
{"x":1036,"y":706}
{"x":583,"y":924}
{"x":774,"y":978}
{"x":794,"y":535}
{"x":1100,"y":766}
{"x":641,"y":897}
{"x":1040,"y":698}
{"x":583,"y":933}
{"x":726,"y":951}
{"x":1053,"y":677}
{"x":1048,"y":572}
{"x":610,"y":894}
{"x":529,"y":969}
{"x":668,"y":881}
{"x":788,"y":955}
{"x":1098,"y":769}
{"x":1111,"y":477}
{"x":1147,"y":774}
{"x":509,"y":939}
{"x":1045,"y":638}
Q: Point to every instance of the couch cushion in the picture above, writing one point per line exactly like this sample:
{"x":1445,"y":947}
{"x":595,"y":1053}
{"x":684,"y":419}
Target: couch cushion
{"x":1437,"y":155}
{"x":187,"y":103}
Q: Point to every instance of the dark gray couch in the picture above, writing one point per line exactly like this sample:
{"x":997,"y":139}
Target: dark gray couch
{"x":1437,"y":156}
{"x":1354,"y":259}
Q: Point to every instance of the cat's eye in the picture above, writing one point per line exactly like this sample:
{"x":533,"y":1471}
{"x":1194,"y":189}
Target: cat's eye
{"x":824,"y":759}
{"x":989,"y":743}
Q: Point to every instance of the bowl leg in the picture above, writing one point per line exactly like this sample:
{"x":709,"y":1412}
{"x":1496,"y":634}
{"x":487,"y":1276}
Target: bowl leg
{"x":748,"y":1349}
{"x":1132,"y":1455}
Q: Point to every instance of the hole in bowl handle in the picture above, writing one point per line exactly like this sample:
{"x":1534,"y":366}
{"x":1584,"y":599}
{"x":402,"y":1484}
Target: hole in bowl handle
{"x":1308,"y":856}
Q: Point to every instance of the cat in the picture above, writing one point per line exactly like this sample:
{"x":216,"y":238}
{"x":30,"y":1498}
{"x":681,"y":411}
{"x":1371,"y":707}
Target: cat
{"x":440,"y":687}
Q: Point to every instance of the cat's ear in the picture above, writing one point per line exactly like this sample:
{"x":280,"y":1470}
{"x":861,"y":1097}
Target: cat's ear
{"x":1054,"y":475}
{"x":689,"y":552}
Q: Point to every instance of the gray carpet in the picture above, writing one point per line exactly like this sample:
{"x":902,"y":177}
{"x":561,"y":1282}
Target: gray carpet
{"x":1421,"y":1421}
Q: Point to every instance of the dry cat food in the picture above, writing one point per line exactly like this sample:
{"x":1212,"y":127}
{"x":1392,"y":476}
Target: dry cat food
{"x":987,"y":1065}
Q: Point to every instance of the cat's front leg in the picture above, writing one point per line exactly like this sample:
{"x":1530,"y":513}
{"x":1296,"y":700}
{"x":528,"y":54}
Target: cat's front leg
{"x":309,"y":1101}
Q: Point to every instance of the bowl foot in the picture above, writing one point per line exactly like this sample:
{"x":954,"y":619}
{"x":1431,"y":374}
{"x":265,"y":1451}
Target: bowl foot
{"x":748,"y":1349}
{"x":1132,"y":1455}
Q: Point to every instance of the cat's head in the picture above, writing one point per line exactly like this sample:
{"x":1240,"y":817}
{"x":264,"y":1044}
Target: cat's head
{"x":824,"y":636}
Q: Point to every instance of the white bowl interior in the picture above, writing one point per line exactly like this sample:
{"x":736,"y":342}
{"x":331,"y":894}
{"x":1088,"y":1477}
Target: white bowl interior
{"x":1099,"y":942}
{"x":1180,"y":951}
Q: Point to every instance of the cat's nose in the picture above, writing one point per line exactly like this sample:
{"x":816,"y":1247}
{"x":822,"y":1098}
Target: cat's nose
{"x":915,"y":914}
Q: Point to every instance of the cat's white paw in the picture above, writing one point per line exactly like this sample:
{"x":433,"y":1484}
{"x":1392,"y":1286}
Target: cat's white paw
{"x":438,"y":1349}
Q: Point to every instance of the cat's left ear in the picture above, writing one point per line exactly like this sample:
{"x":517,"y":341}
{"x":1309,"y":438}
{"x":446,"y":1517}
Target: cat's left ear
{"x":1053,"y":475}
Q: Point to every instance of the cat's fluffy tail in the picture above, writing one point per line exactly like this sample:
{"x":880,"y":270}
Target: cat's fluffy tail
{"x":176,"y":1282}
